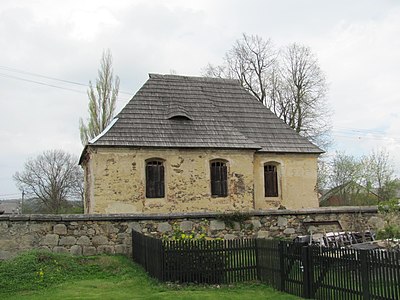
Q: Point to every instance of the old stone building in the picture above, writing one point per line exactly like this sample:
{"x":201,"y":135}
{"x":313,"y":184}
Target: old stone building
{"x":188,"y":144}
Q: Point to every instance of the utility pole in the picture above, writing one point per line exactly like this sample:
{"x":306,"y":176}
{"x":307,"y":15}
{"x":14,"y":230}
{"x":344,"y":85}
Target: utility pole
{"x":22,"y":201}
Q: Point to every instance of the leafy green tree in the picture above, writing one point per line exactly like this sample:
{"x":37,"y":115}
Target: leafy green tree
{"x":390,"y":211}
{"x":362,"y":181}
{"x":102,"y":100}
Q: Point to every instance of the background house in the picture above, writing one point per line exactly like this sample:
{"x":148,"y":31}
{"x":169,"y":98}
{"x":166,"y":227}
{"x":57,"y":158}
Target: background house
{"x":349,"y":194}
{"x":185,"y":144}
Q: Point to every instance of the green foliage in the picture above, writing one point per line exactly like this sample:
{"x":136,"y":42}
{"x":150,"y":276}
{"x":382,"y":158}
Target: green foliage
{"x":35,"y":206}
{"x":231,"y":218}
{"x":102,"y":100}
{"x":390,"y":231}
{"x":180,"y":235}
{"x":37,"y":270}
{"x":390,"y":206}
{"x":390,"y":210}
{"x":44,"y":275}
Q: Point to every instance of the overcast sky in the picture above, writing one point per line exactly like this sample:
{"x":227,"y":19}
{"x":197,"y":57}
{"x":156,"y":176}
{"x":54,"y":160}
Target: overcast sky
{"x":357,"y":44}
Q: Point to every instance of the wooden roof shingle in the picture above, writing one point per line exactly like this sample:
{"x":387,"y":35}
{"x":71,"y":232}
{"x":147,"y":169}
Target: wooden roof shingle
{"x":212,"y":113}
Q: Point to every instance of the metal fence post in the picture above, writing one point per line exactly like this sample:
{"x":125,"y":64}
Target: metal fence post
{"x":282,"y":266}
{"x":307,"y":271}
{"x":364,"y":270}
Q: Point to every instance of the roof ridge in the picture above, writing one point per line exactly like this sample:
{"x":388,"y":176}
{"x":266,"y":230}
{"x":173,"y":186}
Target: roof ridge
{"x":193,"y":78}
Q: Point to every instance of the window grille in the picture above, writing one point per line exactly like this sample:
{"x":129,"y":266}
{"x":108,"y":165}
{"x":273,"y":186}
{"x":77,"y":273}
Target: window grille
{"x":155,"y":179}
{"x":219,"y":185}
{"x":270,"y":181}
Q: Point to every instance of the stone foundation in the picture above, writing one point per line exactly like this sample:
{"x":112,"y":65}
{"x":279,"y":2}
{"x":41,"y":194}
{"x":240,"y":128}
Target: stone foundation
{"x":97,"y":234}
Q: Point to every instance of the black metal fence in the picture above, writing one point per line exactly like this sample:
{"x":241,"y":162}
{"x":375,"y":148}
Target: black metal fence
{"x":305,"y":271}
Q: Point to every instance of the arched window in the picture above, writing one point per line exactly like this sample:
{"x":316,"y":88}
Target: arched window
{"x":270,"y":180}
{"x":219,"y":174}
{"x":155,"y":178}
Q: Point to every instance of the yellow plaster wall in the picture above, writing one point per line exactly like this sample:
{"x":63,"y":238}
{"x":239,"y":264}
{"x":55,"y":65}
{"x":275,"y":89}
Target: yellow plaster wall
{"x":117,"y":181}
{"x":297,"y":179}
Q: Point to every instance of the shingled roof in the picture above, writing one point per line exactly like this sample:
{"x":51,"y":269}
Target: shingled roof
{"x":200,"y":112}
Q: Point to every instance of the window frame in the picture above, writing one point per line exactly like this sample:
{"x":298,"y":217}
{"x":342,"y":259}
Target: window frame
{"x":155,"y":178}
{"x":219,"y":178}
{"x":271,"y":180}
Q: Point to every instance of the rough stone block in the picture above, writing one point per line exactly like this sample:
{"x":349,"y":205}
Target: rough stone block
{"x":67,"y":241}
{"x":282,"y":222}
{"x":229,"y":236}
{"x":91,"y":231}
{"x":376,"y":222}
{"x":99,"y":240}
{"x":122,"y":236}
{"x":60,"y":229}
{"x":289,"y":231}
{"x":312,"y":229}
{"x":164,"y":227}
{"x":50,"y":240}
{"x":236,"y":226}
{"x":256,"y":224}
{"x":217,"y":225}
{"x":263,"y":234}
{"x":105,"y":249}
{"x":186,"y":226}
{"x":121,"y":249}
{"x":135,"y":226}
{"x":89,"y":250}
{"x":109,"y":228}
{"x":6,"y":255}
{"x":308,"y":219}
{"x":60,"y":249}
{"x":76,"y":250}
{"x":83,"y":240}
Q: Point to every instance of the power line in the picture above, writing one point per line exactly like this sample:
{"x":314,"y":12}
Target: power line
{"x":51,"y":78}
{"x":42,"y":76}
{"x":50,"y":85}
{"x":6,"y":195}
{"x":41,"y":83}
{"x":368,"y":136}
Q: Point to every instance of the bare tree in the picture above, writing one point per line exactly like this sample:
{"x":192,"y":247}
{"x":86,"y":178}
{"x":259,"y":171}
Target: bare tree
{"x":53,"y":177}
{"x":102,"y":100}
{"x":289,"y":82}
{"x":250,"y":60}
{"x":304,"y":86}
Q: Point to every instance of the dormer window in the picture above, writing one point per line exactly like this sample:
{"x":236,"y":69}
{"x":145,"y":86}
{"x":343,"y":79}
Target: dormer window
{"x":176,"y":110}
{"x":179,"y":117}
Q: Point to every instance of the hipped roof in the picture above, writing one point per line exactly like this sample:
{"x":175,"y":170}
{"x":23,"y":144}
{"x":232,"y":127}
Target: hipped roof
{"x":199,"y":112}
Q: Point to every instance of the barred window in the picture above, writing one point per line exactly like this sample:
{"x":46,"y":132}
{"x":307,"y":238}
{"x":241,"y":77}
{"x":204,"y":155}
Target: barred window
{"x":270,"y":181}
{"x":155,"y":179}
{"x":219,"y":185}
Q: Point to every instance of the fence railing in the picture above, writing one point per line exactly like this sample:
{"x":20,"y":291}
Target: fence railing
{"x":305,"y":271}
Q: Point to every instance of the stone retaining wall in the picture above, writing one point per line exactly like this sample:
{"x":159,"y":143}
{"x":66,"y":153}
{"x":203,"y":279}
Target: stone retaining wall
{"x":96,"y":234}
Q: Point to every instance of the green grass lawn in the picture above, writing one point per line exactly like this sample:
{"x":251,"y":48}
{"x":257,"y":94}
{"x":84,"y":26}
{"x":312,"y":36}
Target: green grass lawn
{"x":43,"y":275}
